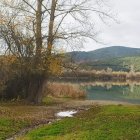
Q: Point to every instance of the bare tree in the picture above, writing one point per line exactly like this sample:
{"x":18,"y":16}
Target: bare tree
{"x":34,"y":29}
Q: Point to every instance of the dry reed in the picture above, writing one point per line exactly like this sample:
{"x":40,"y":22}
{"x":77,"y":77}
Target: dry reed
{"x":66,"y":90}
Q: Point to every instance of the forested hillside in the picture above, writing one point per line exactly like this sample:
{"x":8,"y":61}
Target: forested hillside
{"x":116,"y":64}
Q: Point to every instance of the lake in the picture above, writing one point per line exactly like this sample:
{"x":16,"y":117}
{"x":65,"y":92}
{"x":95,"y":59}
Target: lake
{"x":122,"y":92}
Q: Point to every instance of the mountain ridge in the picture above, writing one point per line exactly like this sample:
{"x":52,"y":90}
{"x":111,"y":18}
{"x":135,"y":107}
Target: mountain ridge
{"x":104,"y":53}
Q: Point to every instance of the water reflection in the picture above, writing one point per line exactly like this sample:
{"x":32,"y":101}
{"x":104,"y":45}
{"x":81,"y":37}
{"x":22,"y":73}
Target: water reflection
{"x":124,"y":92}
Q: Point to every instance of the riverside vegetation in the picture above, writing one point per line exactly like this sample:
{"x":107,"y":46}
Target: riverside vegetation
{"x":16,"y":115}
{"x":99,"y":122}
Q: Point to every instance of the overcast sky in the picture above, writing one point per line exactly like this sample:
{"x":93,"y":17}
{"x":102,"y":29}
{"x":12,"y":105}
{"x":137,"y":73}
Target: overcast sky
{"x":127,"y":32}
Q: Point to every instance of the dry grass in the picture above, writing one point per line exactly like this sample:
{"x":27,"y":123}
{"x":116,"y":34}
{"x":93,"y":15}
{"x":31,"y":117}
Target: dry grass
{"x":32,"y":114}
{"x":66,"y":90}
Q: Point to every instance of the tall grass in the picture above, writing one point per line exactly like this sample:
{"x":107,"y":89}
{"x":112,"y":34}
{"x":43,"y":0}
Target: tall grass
{"x":65,"y":90}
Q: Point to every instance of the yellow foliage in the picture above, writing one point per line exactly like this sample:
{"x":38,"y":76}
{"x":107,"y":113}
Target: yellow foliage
{"x":55,"y":66}
{"x":8,"y":59}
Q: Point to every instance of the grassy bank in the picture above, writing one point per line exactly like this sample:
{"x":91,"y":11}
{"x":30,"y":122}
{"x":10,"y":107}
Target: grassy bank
{"x":15,"y":117}
{"x":98,"y":123}
{"x":9,"y":123}
{"x":18,"y":115}
{"x":9,"y":127}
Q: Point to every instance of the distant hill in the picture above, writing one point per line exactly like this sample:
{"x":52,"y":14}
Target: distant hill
{"x":104,"y":53}
{"x":118,"y":58}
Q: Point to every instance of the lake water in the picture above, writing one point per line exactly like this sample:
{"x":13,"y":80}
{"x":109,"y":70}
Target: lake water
{"x":129,"y":93}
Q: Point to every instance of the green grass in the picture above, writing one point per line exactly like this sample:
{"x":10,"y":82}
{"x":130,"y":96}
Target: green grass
{"x":49,"y":101}
{"x":98,"y":123}
{"x":9,"y":127}
{"x":16,"y":117}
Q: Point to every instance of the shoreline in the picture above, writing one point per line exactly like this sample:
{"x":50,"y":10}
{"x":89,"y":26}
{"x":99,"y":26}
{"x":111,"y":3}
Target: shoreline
{"x":78,"y":105}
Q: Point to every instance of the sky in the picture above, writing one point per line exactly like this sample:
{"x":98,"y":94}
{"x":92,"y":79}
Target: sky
{"x":125,"y":32}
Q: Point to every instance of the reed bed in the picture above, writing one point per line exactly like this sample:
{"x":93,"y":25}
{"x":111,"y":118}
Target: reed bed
{"x":65,"y":90}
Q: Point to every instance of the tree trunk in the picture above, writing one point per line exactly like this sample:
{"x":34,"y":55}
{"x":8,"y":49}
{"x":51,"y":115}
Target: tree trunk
{"x":51,"y":27}
{"x":38,"y":29}
{"x":36,"y":82}
{"x":36,"y":89}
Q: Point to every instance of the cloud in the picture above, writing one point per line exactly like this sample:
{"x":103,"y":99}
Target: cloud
{"x":127,"y":33}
